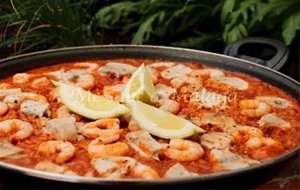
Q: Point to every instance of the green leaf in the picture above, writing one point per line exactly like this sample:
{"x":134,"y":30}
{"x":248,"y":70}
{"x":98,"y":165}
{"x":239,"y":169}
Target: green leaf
{"x":115,"y":13}
{"x":236,"y":33}
{"x":290,"y":27}
{"x":272,"y":8}
{"x":146,"y":28}
{"x":200,"y":41}
{"x":226,"y":10}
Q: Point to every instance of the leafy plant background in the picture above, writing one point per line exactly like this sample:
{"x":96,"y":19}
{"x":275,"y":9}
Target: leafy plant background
{"x":31,"y":25}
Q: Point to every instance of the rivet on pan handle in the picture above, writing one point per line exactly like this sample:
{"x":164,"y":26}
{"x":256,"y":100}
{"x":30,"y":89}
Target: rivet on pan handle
{"x":276,"y":62}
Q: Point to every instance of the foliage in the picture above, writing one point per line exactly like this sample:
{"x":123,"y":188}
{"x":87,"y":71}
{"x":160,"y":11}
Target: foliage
{"x":39,"y":24}
{"x":198,"y":24}
{"x":42,"y":24}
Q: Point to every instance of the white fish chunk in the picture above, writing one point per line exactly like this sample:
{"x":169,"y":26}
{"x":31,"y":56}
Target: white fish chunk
{"x":275,"y":101}
{"x":176,"y":71}
{"x":62,"y":128}
{"x":272,"y":120}
{"x":223,"y":121}
{"x":209,"y":99}
{"x":116,"y":69}
{"x":178,"y":170}
{"x":38,"y":82}
{"x":234,"y":82}
{"x":8,"y":150}
{"x":211,"y":72}
{"x":8,"y":92}
{"x":162,"y":64}
{"x":78,"y":77}
{"x":179,"y":81}
{"x":54,"y":168}
{"x":35,"y":108}
{"x":113,"y":167}
{"x":164,"y":91}
{"x":216,"y":140}
{"x":91,"y":66}
{"x":227,"y":160}
{"x":142,"y":142}
{"x":133,"y":125}
{"x":68,"y":75}
{"x":63,"y":111}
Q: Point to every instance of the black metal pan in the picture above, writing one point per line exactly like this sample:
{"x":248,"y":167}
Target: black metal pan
{"x":25,"y":62}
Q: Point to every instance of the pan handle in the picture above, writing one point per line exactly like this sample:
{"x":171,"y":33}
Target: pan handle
{"x":276,"y":62}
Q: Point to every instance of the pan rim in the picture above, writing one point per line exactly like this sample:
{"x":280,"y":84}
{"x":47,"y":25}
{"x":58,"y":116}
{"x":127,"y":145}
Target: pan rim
{"x":143,"y":182}
{"x":57,"y":50}
{"x":101,"y":181}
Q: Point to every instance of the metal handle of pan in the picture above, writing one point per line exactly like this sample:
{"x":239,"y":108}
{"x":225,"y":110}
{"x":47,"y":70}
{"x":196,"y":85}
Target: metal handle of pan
{"x":276,"y":62}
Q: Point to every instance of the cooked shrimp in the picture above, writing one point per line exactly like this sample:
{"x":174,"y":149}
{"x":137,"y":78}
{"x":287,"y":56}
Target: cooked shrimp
{"x":35,"y":97}
{"x":23,"y":129}
{"x":5,"y":85}
{"x":14,"y":100}
{"x":17,"y":99}
{"x":40,"y":82}
{"x":3,"y":108}
{"x":97,"y":148}
{"x":114,"y":92}
{"x":86,"y":81}
{"x":21,"y":78}
{"x":144,"y":172}
{"x":184,"y":150}
{"x":210,"y":72}
{"x":256,"y":142}
{"x":169,"y":106}
{"x":248,"y":132}
{"x":65,"y":150}
{"x":254,"y":108}
{"x":273,"y":120}
{"x":109,"y":135}
{"x":94,"y":129}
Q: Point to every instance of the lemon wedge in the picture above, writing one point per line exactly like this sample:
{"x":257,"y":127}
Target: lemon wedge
{"x":161,"y":123}
{"x":140,"y":87}
{"x":87,"y":104}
